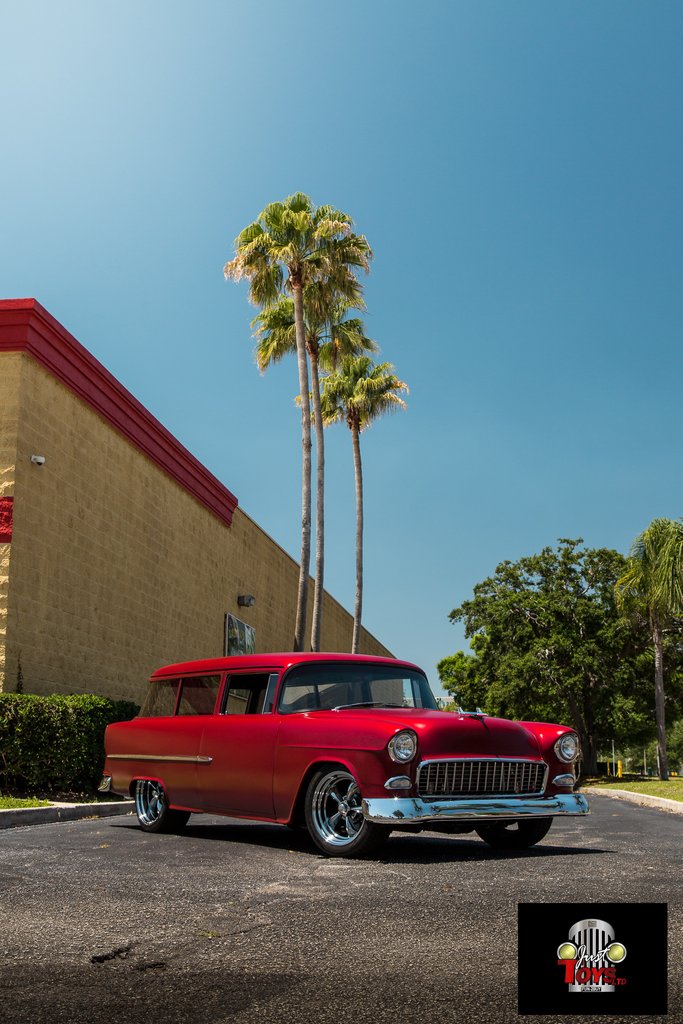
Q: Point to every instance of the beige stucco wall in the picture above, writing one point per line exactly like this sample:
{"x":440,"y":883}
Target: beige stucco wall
{"x":115,"y":568}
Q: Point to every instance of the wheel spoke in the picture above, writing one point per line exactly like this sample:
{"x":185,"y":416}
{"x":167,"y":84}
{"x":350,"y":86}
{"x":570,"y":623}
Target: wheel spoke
{"x":336,"y":809}
{"x":150,"y":801}
{"x":351,"y":829}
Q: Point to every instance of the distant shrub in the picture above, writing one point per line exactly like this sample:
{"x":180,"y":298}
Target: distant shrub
{"x":55,"y":742}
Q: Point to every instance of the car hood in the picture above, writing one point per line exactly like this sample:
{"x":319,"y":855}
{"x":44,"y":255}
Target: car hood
{"x":440,"y":733}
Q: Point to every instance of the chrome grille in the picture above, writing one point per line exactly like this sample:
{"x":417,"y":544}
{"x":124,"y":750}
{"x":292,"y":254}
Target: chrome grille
{"x":480,"y":777}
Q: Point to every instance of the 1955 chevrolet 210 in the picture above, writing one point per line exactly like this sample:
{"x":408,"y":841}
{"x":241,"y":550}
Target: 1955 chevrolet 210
{"x":349,"y":747}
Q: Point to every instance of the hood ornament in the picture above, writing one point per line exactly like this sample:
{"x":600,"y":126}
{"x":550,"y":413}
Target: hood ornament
{"x":472,"y":714}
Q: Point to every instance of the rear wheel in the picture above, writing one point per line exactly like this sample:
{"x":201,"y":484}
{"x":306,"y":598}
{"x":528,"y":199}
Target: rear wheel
{"x":334,"y":817}
{"x":154,"y":814}
{"x":514,"y":835}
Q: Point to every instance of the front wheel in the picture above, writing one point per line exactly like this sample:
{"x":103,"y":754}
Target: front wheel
{"x":154,"y":814}
{"x":334,"y":817}
{"x":514,"y":835}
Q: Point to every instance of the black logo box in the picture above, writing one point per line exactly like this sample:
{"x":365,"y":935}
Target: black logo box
{"x":641,"y":927}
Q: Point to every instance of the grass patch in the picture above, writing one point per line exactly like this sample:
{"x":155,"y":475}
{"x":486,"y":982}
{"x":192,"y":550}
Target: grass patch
{"x":672,"y":790}
{"x":10,"y":802}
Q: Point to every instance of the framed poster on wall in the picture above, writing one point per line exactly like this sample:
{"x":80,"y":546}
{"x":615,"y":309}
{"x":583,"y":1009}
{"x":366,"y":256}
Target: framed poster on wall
{"x":240,"y":638}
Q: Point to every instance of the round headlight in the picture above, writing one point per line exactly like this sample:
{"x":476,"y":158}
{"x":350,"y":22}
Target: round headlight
{"x":567,"y":747}
{"x":403,"y":746}
{"x":616,"y":952}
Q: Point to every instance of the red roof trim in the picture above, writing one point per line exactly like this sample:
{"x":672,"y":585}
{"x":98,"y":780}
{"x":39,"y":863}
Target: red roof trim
{"x":278,"y":660}
{"x":25,"y":326}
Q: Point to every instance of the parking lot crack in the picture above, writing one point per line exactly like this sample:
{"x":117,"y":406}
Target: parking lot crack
{"x":120,"y":953}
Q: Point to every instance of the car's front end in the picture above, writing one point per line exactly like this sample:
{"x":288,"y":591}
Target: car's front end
{"x":449,"y":767}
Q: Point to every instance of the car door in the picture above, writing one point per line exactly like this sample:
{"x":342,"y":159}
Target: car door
{"x":177,"y":746}
{"x":240,"y":742}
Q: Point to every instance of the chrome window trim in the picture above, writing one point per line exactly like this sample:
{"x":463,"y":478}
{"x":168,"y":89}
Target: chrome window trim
{"x":247,"y":673}
{"x":269,"y":699}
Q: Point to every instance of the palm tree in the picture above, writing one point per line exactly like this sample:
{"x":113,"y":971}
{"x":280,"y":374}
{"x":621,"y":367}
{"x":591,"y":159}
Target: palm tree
{"x":288,"y":246}
{"x":360,"y":392}
{"x":653,"y":584}
{"x":330,"y":333}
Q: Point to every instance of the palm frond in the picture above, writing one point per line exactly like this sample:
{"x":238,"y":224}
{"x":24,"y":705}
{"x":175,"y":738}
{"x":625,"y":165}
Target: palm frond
{"x":299,"y":202}
{"x":361,"y":392}
{"x":653,"y":578}
{"x":248,"y":234}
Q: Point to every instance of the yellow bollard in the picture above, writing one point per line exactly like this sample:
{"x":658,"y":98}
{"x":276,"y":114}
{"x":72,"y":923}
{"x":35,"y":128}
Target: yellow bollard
{"x":619,"y":769}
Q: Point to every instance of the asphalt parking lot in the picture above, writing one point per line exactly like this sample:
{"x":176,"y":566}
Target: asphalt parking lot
{"x":241,"y":922}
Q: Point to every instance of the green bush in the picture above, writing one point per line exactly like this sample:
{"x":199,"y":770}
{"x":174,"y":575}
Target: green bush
{"x":55,"y":742}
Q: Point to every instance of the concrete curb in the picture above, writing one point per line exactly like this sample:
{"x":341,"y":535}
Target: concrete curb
{"x":17,"y":816}
{"x":643,"y":799}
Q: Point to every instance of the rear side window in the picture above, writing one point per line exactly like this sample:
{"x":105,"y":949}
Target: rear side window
{"x":198,"y":695}
{"x":161,"y":698}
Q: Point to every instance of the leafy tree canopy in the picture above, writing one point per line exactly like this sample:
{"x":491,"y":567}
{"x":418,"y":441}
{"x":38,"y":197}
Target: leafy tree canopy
{"x":549,"y":645}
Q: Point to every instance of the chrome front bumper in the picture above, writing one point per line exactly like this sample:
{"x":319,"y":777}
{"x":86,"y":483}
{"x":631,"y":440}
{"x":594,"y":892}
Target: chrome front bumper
{"x":407,"y":809}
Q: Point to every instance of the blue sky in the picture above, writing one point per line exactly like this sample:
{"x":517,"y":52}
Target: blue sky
{"x":517,"y":169}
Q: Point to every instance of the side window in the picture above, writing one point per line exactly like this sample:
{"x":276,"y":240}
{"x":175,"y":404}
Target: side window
{"x":245,"y":694}
{"x":198,"y":695}
{"x":313,"y":697}
{"x":161,"y":698}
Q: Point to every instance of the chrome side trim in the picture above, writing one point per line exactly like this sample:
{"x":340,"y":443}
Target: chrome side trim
{"x":389,"y":811}
{"x":178,"y":758}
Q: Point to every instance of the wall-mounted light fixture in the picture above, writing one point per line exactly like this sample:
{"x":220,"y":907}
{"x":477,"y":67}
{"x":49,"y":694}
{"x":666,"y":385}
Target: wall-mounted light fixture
{"x":38,"y":460}
{"x":246,"y":600}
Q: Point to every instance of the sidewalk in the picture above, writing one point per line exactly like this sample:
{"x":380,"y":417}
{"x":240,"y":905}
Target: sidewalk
{"x":661,"y":802}
{"x":17,"y":816}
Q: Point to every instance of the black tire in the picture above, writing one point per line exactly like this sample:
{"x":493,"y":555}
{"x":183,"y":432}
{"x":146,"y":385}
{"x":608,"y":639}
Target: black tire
{"x":334,"y":818}
{"x":151,"y":807}
{"x":514,"y":835}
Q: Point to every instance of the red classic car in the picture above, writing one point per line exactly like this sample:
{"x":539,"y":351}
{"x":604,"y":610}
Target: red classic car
{"x":349,"y":747}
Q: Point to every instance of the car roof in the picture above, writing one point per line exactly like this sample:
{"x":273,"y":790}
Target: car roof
{"x":270,"y":661}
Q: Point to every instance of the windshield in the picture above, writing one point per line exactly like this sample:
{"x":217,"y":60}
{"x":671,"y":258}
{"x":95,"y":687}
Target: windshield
{"x":317,"y":687}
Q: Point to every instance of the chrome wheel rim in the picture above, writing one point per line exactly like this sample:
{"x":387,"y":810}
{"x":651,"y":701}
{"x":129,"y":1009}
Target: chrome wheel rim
{"x":149,"y":801}
{"x":336,"y":809}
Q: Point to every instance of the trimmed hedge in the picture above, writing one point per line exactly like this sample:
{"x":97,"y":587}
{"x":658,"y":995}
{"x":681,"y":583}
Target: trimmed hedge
{"x":55,"y":742}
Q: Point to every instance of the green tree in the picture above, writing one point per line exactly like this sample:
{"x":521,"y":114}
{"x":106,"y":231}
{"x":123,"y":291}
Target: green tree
{"x":651,"y":588}
{"x":359,"y":392}
{"x":459,"y":675}
{"x":292,"y":244}
{"x":330,"y":334}
{"x":549,"y":645}
{"x":674,"y":741}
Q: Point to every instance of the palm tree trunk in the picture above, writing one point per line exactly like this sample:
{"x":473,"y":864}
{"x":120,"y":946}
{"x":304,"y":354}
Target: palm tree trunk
{"x":657,"y":637}
{"x":358,"y":607}
{"x":319,"y":504}
{"x":304,"y":566}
